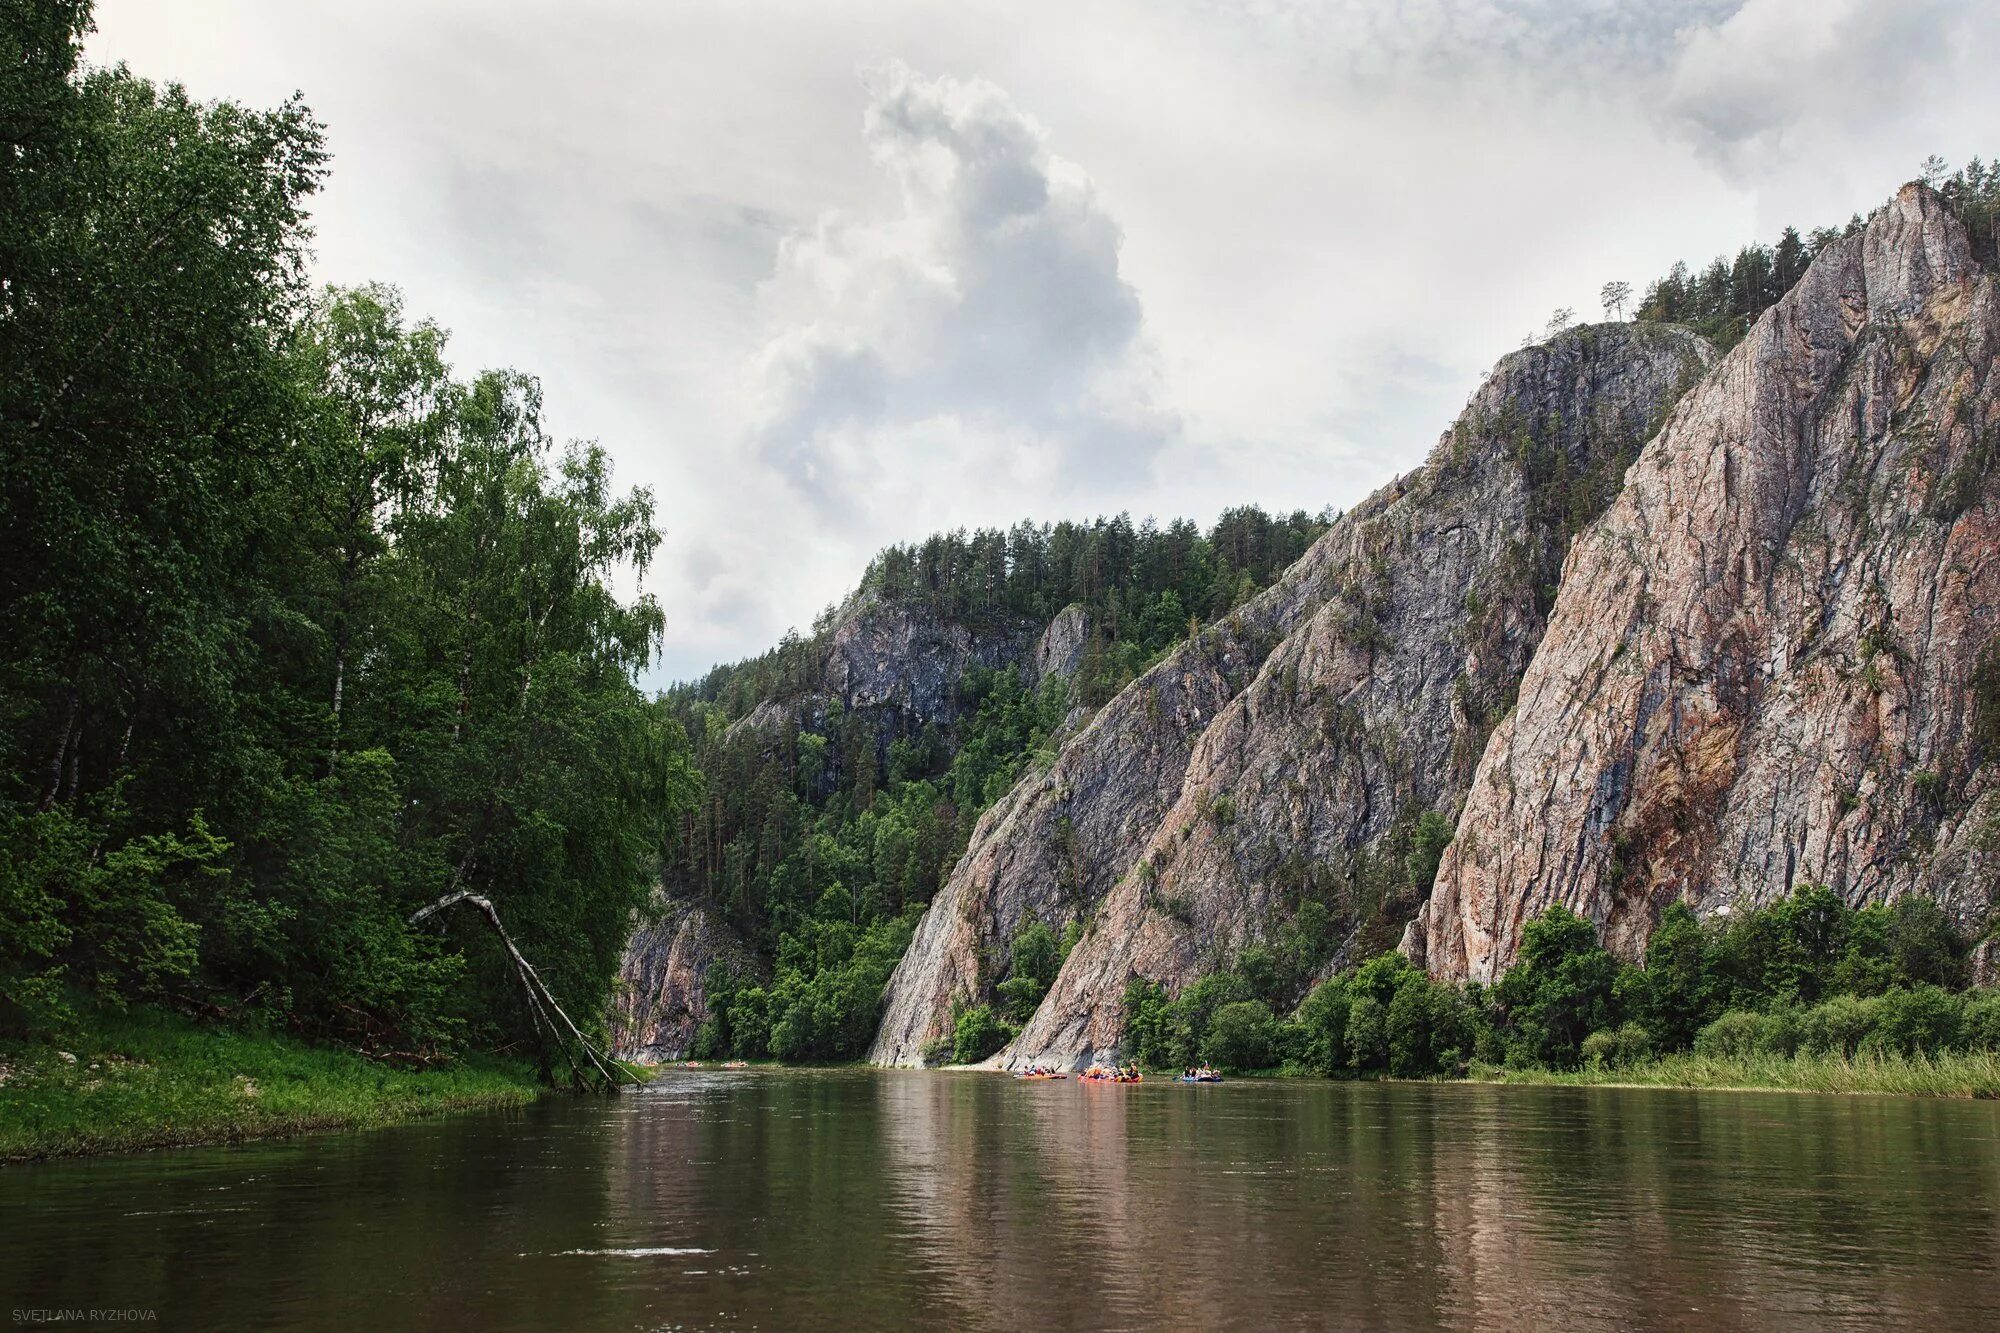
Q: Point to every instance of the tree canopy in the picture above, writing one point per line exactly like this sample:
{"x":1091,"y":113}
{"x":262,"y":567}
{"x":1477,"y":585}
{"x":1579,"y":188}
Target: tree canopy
{"x":298,"y":629}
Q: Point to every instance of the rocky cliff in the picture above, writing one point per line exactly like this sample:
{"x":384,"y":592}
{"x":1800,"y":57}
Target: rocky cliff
{"x":659,"y":1000}
{"x":897,"y":665}
{"x":894,"y":666}
{"x":1770,"y":660}
{"x":1288,"y":750}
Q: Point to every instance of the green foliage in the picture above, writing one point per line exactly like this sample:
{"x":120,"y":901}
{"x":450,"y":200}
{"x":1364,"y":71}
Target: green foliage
{"x":976,"y":1033}
{"x":1432,"y":835}
{"x":824,"y":998}
{"x":1241,"y":1035}
{"x":784,"y":816}
{"x":142,"y":1077}
{"x":297,"y":632}
{"x":1806,"y":976}
{"x":1037,"y":955}
{"x":1144,"y":588}
{"x":1682,"y":992}
{"x":1725,"y":298}
{"x":1903,"y":1021}
{"x":1618,"y":1048}
{"x":1141,"y":583}
{"x":1560,"y":989}
{"x":848,"y":796}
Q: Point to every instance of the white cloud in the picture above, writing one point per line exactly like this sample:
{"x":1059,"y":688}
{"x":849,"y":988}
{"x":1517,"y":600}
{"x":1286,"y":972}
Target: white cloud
{"x":1743,"y":86}
{"x":1100,"y":255}
{"x":985,"y":316}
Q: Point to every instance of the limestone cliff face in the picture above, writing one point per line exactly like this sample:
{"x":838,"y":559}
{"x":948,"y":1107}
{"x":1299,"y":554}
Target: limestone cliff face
{"x":1059,"y":652}
{"x":1305,"y":732}
{"x":659,"y":1000}
{"x":1761,"y":665}
{"x":896,"y":665}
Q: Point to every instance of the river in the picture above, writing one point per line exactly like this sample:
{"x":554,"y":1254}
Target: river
{"x":781,"y":1200}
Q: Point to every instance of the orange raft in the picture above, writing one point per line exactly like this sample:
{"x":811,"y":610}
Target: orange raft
{"x":1109,"y":1074}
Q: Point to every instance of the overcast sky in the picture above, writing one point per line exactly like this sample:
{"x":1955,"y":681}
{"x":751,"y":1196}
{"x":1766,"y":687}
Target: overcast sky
{"x":826,"y":276}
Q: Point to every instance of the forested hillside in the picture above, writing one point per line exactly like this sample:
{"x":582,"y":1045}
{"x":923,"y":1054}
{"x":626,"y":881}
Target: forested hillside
{"x":828,"y":824}
{"x":300,"y":630}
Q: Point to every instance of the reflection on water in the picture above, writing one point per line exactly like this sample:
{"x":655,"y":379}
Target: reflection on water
{"x":783,"y":1200}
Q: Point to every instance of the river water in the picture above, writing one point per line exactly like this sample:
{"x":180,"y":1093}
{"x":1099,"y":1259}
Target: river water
{"x":781,"y":1200}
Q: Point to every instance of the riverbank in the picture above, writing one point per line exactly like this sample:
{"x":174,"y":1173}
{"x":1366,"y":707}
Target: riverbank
{"x":1975,"y":1074}
{"x":147,"y":1078}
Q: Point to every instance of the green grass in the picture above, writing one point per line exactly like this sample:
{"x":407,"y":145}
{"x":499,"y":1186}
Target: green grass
{"x":1948,"y":1075}
{"x":146,"y":1078}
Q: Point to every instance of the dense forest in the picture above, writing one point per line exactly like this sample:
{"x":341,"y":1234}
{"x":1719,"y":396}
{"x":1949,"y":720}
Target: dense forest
{"x":1143,"y":585}
{"x":300,"y":632}
{"x":822,"y":845}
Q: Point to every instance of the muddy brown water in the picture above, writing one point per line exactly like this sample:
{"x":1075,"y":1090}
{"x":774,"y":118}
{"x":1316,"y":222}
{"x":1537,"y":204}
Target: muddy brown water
{"x":874,"y":1199}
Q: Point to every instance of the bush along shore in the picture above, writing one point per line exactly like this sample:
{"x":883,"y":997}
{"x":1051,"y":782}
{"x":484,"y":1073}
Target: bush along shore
{"x":1807,"y":994}
{"x":143,"y":1077}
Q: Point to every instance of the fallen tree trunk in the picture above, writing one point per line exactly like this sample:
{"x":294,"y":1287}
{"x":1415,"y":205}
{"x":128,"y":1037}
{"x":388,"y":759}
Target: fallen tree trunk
{"x":543,"y":1010}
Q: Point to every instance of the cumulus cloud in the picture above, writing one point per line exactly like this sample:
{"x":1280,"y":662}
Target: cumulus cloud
{"x":1307,"y":227}
{"x":1748,"y":87}
{"x":983,"y":316}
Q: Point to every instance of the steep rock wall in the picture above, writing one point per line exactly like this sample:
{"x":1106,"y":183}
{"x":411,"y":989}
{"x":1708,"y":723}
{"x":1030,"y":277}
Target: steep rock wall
{"x":896,"y":665}
{"x":1327,"y":712}
{"x":1762,"y":667}
{"x":660,"y":1000}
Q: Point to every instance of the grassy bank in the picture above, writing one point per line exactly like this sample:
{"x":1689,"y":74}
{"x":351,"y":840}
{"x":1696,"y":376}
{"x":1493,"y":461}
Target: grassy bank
{"x":148,"y":1079}
{"x":1975,"y":1074}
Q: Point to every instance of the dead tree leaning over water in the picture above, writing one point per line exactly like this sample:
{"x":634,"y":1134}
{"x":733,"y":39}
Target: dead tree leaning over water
{"x":564,"y":1035}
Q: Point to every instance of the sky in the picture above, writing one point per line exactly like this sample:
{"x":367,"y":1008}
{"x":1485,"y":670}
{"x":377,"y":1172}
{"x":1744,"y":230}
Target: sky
{"x":826,"y":277}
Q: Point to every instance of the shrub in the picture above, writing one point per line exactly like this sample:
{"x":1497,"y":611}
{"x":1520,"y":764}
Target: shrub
{"x":1782,"y":1032}
{"x":1148,"y":1021}
{"x":1432,"y":1028}
{"x":1322,"y":1027}
{"x":1019,"y":995}
{"x":1618,"y":1048}
{"x":1036,"y":954}
{"x":1837,"y":1026}
{"x":1680,"y":990}
{"x":1427,"y":843}
{"x":1241,"y":1036}
{"x":977,"y":1034}
{"x":1922,"y":1018}
{"x":1367,"y":1034}
{"x":1561,"y":990}
{"x":1982,"y":1021}
{"x":1809,"y":936}
{"x":1925,"y":945}
{"x":1194,"y":1010}
{"x":1734,"y":1036}
{"x":1264,"y":975}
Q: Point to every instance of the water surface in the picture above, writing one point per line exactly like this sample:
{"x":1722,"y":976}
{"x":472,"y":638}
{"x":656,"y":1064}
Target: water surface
{"x":764,"y":1199}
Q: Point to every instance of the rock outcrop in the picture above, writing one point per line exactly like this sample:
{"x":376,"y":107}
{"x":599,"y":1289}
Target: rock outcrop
{"x":1769,"y":659}
{"x":897,"y":667}
{"x":659,"y":1001}
{"x":1059,"y":652}
{"x":902,"y":661}
{"x":1279,"y":750}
